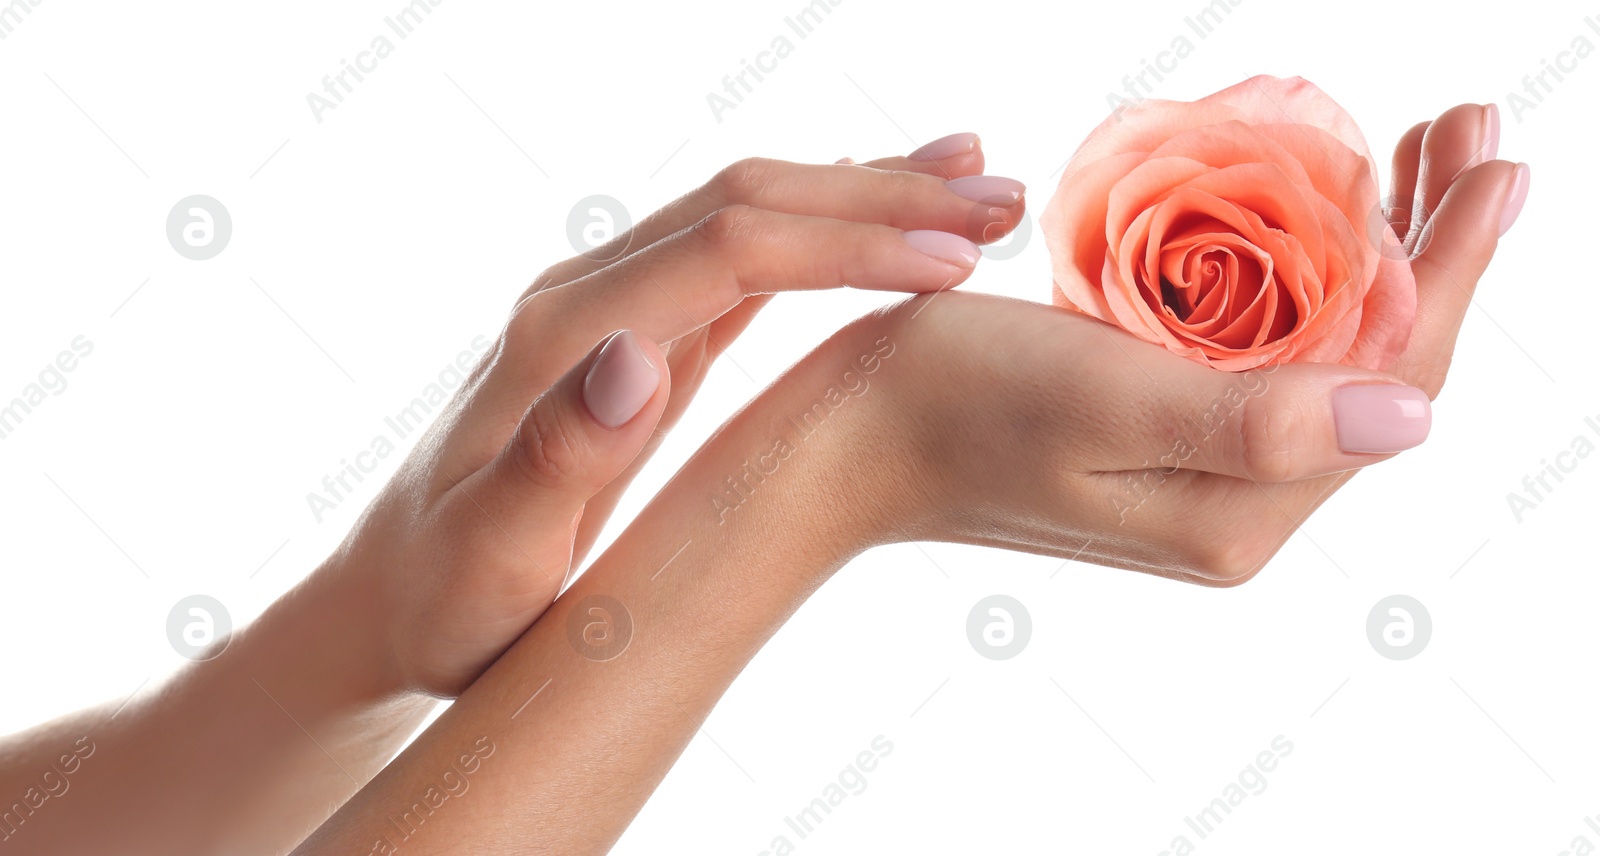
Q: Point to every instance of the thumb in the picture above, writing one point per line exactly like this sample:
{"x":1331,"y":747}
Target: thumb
{"x":581,"y":433}
{"x":1278,"y":424}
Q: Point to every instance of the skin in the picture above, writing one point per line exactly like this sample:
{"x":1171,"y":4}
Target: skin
{"x":969,"y":430}
{"x":473,"y":538}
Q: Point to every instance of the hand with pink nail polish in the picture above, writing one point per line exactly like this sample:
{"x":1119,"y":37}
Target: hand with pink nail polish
{"x":1005,"y":423}
{"x":474,"y":538}
{"x":1056,"y":433}
{"x":481,"y":526}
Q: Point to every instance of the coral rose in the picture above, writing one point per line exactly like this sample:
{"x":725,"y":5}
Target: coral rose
{"x":1234,"y":230}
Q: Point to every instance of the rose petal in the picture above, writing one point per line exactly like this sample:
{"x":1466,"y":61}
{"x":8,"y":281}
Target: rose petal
{"x":1268,"y":100}
{"x":1073,"y":224}
{"x":1387,"y":315}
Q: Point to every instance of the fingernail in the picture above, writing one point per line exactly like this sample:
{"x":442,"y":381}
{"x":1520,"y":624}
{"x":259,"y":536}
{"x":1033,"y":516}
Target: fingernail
{"x":1516,"y":197}
{"x":621,"y":381}
{"x":846,"y":161}
{"x":1380,"y":418}
{"x":987,"y":188}
{"x":943,"y":246}
{"x":1491,"y":131}
{"x":946,"y":147}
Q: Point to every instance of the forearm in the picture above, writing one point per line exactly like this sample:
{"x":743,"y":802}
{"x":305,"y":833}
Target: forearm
{"x":553,"y":750}
{"x":244,"y":752}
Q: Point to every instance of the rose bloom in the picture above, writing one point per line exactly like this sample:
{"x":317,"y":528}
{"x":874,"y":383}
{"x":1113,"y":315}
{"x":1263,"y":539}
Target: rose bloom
{"x":1234,"y":231}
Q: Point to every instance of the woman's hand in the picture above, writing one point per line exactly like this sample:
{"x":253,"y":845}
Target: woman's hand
{"x":1020,"y":426}
{"x":472,"y":538}
{"x":479,"y":529}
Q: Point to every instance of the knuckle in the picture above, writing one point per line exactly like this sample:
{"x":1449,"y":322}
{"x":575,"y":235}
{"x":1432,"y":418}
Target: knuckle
{"x":550,"y":277}
{"x":528,"y":317}
{"x":904,"y":182}
{"x":744,"y":180}
{"x":1271,"y":438}
{"x":1229,"y":558}
{"x":548,"y":452}
{"x":725,"y":226}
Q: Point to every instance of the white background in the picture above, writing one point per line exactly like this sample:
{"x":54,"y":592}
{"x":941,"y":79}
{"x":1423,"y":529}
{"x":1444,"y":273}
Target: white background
{"x":404,"y":224}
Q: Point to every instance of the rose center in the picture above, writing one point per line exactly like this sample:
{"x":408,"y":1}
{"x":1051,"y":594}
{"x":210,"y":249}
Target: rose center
{"x":1210,"y":281}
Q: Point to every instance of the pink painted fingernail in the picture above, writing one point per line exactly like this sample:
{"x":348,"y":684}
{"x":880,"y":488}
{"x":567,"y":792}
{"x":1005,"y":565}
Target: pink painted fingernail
{"x":1380,"y":418}
{"x":1491,"y":131}
{"x":987,"y":188}
{"x":1516,"y":198}
{"x":621,"y":381}
{"x":943,"y":246}
{"x":946,"y":147}
{"x":846,"y":161}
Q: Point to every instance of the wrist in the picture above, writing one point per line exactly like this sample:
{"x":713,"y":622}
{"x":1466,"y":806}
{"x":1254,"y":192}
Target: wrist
{"x":821,"y":457}
{"x":327,"y":641}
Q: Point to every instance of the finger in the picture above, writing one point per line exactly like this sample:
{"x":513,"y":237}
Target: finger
{"x":574,"y":439}
{"x":905,"y":199}
{"x":683,"y":283}
{"x":834,"y":190}
{"x":1463,"y":137}
{"x":687,"y":374}
{"x":1155,"y":514}
{"x":949,"y":157}
{"x":1462,"y":239}
{"x":1403,"y":179}
{"x":1270,"y":425}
